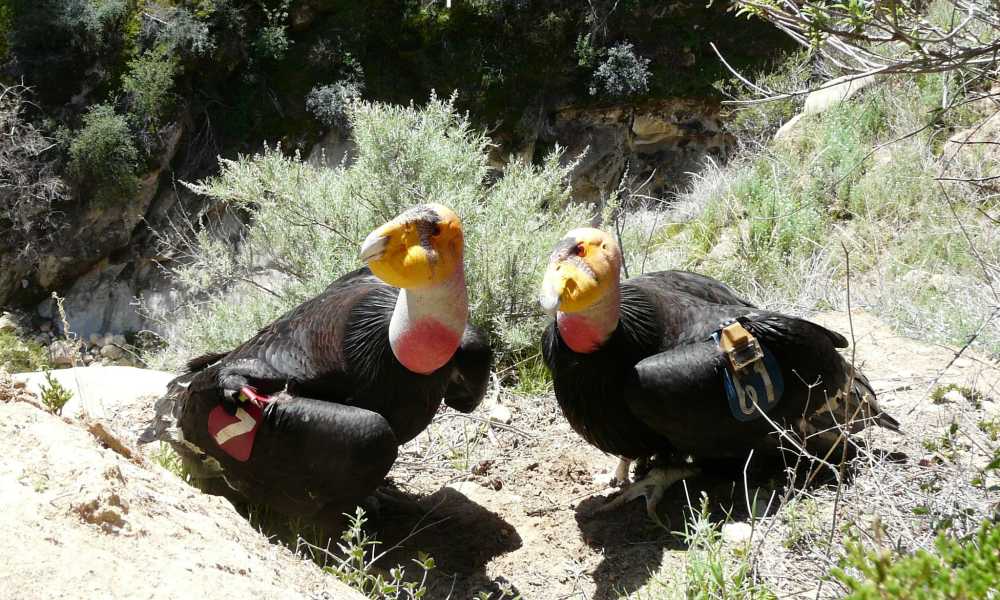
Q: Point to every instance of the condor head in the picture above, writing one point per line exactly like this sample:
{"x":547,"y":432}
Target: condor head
{"x":582,"y":269}
{"x":419,"y":248}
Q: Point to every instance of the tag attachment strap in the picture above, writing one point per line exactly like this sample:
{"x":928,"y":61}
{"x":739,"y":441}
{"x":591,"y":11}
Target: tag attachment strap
{"x":740,"y":347}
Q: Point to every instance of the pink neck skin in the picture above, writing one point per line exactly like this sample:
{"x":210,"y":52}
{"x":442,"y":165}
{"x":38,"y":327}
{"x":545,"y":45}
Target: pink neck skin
{"x":587,"y":330}
{"x":427,"y":324}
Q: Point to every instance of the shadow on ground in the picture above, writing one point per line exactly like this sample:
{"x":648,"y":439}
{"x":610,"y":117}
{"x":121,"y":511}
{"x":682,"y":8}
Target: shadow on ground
{"x":633,"y":546}
{"x":461,"y":535}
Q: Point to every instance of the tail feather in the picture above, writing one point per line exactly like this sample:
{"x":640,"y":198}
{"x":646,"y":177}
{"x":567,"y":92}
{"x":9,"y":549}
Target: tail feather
{"x":167,"y":410}
{"x":864,"y":394}
{"x":200,"y":362}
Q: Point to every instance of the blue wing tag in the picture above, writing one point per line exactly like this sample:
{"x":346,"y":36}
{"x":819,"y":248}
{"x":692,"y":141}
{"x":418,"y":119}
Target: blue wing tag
{"x":756,"y":388}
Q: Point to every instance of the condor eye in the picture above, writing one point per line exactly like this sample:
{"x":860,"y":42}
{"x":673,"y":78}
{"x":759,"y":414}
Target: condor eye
{"x":581,"y":250}
{"x":436,"y":230}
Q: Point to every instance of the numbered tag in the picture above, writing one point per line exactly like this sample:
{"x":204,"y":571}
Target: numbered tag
{"x":235,"y":433}
{"x":756,"y":388}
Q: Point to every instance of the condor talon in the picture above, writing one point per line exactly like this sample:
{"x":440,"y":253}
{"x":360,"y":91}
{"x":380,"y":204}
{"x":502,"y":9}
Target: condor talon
{"x":652,"y":487}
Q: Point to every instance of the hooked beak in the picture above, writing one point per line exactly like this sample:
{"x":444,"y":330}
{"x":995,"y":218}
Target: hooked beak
{"x":552,"y":291}
{"x":374,"y":246}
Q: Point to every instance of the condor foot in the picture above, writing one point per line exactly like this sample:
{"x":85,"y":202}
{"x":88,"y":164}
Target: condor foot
{"x":651,"y":487}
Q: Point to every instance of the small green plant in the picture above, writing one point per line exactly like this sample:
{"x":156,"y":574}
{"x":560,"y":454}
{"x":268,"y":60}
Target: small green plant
{"x":973,"y":396}
{"x":533,"y":378}
{"x":991,"y":428}
{"x":170,"y":460}
{"x":19,"y":355}
{"x":804,"y":525}
{"x":713,"y":569}
{"x":956,"y":570}
{"x":103,"y":155}
{"x":54,"y":395}
{"x":946,"y":445}
{"x":356,"y":566}
{"x":148,"y":83}
{"x":504,"y":591}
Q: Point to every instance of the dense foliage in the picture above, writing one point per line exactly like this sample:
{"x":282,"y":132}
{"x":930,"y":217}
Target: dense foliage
{"x":956,"y":570}
{"x":242,"y":71}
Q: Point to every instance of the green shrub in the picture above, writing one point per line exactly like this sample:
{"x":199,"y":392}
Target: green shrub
{"x":307,"y":225}
{"x":57,"y":44}
{"x":623,"y":72}
{"x":329,"y":103}
{"x":103,"y":155}
{"x":19,"y":355}
{"x":179,"y":30}
{"x":54,"y":395}
{"x":148,"y":82}
{"x":30,"y":188}
{"x":956,"y":570}
{"x":272,"y":39}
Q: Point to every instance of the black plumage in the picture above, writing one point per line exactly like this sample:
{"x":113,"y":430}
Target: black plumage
{"x":656,"y":385}
{"x":343,"y":402}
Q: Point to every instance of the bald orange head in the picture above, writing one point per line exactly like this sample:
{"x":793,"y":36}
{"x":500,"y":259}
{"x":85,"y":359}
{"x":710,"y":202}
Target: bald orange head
{"x":583,"y":268}
{"x":421,"y":247}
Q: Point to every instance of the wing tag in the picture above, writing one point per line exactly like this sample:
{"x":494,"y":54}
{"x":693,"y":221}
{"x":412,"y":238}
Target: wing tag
{"x":235,"y":433}
{"x":756,"y":387}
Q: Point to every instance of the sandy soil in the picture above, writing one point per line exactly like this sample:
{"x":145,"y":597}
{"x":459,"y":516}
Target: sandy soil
{"x":501,"y":507}
{"x":85,"y":516}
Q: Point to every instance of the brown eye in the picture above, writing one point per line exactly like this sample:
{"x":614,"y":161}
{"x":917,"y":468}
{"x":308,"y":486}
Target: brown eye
{"x":581,"y":250}
{"x":437,"y":229}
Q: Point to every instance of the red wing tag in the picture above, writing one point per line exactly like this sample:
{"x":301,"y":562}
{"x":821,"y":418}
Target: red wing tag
{"x":235,"y":433}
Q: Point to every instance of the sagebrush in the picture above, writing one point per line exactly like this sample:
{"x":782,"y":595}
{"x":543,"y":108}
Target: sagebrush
{"x":304,"y":226}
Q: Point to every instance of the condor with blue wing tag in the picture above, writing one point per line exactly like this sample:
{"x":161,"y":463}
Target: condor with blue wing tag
{"x":752,"y":378}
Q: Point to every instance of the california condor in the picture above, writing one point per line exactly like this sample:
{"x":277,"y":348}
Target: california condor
{"x":676,"y":364}
{"x":307,"y":415}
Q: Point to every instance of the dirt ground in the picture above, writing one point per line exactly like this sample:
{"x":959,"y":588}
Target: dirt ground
{"x":512,"y":507}
{"x":508,"y":509}
{"x":86,"y":516}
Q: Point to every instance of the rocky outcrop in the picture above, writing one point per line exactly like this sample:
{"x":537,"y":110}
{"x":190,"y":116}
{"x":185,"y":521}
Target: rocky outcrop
{"x":86,"y":516}
{"x":102,"y":262}
{"x":660,"y":141}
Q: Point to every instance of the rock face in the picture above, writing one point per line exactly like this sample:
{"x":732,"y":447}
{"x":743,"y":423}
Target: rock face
{"x":660,"y":141}
{"x":83,"y":520}
{"x":97,"y":231}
